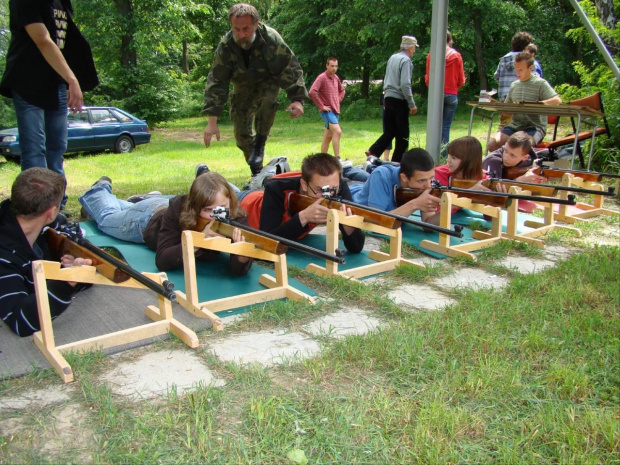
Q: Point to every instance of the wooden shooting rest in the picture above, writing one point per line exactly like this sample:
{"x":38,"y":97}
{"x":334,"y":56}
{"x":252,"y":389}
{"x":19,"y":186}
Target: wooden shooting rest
{"x":589,"y":210}
{"x":278,"y":288}
{"x":451,"y":199}
{"x":547,"y":225}
{"x":163,"y":321}
{"x":385,"y":261}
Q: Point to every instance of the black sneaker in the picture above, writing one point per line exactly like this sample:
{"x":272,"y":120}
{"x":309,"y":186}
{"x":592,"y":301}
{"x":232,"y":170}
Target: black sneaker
{"x":201,"y":169}
{"x":141,"y":197}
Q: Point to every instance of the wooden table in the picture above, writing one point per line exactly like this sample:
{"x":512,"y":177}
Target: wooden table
{"x":579,"y":112}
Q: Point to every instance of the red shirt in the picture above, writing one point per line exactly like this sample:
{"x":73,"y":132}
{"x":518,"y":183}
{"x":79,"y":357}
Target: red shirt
{"x":327,"y":91}
{"x":455,"y":75}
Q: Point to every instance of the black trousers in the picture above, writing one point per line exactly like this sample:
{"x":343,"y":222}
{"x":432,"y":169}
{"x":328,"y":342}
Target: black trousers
{"x":396,"y":127}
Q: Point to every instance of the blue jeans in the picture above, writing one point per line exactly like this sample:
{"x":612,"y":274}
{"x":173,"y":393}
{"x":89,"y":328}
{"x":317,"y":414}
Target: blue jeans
{"x":355,"y":174}
{"x":42,"y":133}
{"x":450,"y":101}
{"x":118,"y":218}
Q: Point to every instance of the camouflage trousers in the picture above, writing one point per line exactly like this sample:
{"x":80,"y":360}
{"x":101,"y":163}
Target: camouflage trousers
{"x":253,"y":103}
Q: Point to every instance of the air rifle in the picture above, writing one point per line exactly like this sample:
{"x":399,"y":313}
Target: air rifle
{"x":556,"y":173}
{"x":546,"y":190}
{"x":224,"y":228}
{"x":298,"y":202}
{"x":494,"y":199}
{"x":68,"y":240}
{"x":222,"y":215}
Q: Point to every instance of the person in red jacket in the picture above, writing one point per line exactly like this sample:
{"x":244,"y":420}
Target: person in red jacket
{"x":454,"y":80}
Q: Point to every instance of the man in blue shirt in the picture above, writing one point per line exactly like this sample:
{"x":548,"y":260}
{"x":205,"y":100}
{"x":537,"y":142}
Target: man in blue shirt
{"x":416,"y":171}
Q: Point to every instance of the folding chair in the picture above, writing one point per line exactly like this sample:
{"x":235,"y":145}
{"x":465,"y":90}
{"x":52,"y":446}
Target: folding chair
{"x":594,"y":102}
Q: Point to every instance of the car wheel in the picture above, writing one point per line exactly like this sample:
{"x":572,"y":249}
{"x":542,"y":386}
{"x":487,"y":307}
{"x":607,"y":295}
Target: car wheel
{"x":124,"y":144}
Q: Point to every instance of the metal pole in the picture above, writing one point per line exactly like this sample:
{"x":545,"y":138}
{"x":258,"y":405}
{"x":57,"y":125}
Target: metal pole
{"x":437,"y":70}
{"x":597,"y":40}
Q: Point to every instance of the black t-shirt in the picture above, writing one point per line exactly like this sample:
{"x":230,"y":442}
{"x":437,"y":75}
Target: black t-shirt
{"x":59,"y":33}
{"x":27,"y":72}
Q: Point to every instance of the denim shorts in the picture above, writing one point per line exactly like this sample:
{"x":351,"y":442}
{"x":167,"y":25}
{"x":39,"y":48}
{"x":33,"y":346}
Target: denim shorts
{"x":329,"y":117}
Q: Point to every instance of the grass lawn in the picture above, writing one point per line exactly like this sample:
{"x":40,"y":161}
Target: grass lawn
{"x":167,"y":163}
{"x":526,"y":374}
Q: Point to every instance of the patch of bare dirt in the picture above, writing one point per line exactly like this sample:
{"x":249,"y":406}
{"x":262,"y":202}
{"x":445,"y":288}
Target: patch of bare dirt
{"x":185,"y":135}
{"x":61,"y":436}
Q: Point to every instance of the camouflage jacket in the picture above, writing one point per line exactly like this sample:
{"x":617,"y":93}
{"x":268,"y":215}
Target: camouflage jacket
{"x":271,"y":60}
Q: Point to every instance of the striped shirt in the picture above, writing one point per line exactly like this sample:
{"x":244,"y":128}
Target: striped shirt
{"x":535,"y":89}
{"x":327,"y":91}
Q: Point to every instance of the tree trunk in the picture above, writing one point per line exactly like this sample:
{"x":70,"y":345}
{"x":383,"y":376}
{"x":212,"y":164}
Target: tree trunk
{"x":605,"y":10}
{"x":129,"y":57}
{"x":365,"y":81}
{"x":185,"y":59}
{"x":482,"y":76}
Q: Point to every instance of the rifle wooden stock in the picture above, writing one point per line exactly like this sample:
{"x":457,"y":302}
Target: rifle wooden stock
{"x":259,"y":240}
{"x":298,"y":202}
{"x":59,"y":245}
{"x":535,"y":188}
{"x":72,"y":243}
{"x":556,"y":173}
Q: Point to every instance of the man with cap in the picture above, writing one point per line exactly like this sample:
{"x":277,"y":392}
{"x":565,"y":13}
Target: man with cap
{"x":399,"y":102}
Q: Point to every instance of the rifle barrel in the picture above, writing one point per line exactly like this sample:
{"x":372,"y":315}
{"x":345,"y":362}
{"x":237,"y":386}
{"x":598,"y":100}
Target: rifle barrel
{"x":290,"y":243}
{"x":577,"y":190}
{"x":578,"y":172}
{"x":401,"y":218}
{"x":164,"y":289}
{"x":531,"y":198}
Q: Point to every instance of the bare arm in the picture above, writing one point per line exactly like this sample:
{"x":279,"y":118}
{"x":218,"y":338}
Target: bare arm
{"x":52,"y":54}
{"x":553,"y":100}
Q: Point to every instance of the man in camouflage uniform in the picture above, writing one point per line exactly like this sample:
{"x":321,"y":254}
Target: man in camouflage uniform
{"x":258,"y":62}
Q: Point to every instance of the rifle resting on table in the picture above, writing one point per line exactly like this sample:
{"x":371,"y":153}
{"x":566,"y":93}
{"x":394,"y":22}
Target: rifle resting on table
{"x":222,"y":217}
{"x":495,"y":199}
{"x":547,"y":190}
{"x":68,"y":240}
{"x":298,"y":202}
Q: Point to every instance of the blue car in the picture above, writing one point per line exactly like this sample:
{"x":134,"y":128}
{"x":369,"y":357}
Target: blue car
{"x":93,"y":130}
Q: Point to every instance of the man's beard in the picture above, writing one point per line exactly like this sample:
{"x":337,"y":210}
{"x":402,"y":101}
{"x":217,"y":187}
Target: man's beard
{"x":245,"y":44}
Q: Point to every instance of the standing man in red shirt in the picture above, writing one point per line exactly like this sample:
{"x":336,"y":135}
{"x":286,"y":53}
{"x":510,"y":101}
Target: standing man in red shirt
{"x":454,"y":80}
{"x":327,"y":92}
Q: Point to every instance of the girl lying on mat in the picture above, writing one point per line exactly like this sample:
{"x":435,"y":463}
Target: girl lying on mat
{"x":159,"y":220}
{"x":464,"y":162}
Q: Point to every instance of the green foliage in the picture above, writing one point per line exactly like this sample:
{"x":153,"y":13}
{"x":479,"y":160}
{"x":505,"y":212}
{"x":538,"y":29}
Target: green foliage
{"x":361,"y":110}
{"x":595,"y":75}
